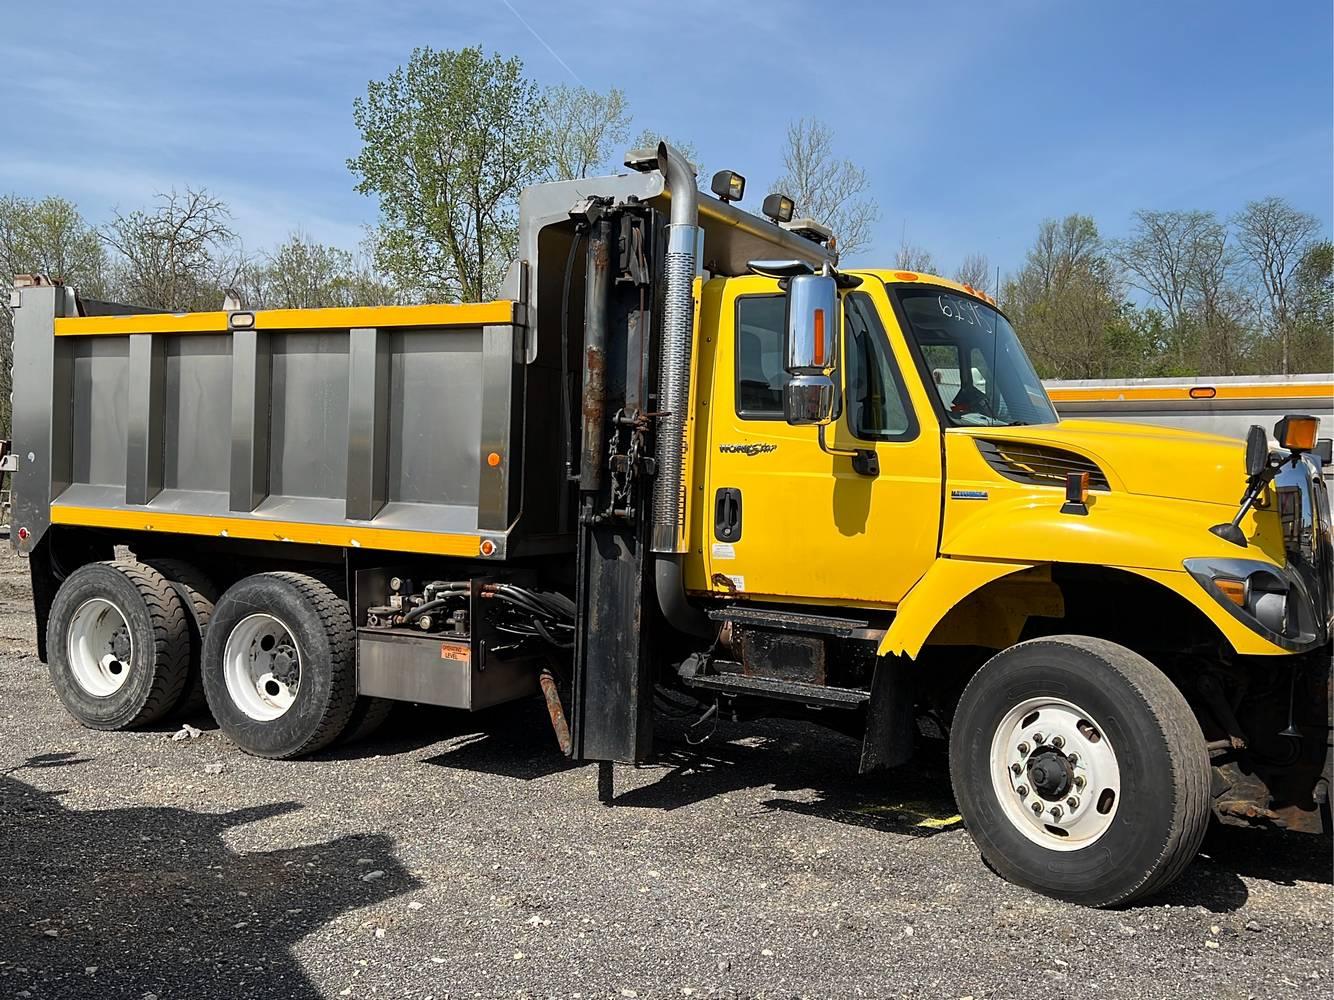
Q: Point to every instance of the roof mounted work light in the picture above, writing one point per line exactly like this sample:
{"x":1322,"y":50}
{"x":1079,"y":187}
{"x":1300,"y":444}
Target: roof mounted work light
{"x":728,"y":185}
{"x":778,"y":207}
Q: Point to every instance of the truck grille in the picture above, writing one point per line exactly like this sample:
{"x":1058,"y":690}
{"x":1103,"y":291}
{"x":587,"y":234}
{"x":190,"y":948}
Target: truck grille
{"x":1037,"y":464}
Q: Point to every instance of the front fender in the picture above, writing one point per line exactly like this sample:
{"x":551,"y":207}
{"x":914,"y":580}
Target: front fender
{"x":944,"y":586}
{"x":1147,"y":536}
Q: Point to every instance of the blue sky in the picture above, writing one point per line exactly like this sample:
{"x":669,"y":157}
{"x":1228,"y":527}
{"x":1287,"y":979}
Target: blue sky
{"x":974,"y":120}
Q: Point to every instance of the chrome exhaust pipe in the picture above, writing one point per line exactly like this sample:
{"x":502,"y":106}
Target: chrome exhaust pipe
{"x":685,"y":244}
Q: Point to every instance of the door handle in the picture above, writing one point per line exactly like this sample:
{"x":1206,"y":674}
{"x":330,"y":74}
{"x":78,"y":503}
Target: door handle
{"x":727,"y":514}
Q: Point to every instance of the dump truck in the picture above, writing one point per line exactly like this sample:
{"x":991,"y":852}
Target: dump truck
{"x":685,"y":454}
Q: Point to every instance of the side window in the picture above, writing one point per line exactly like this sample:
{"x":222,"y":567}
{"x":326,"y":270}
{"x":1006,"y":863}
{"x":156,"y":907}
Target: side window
{"x":759,"y":356}
{"x":876,"y":402}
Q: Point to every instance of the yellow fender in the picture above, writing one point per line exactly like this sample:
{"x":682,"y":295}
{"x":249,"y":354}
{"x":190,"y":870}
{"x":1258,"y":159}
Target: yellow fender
{"x":951,"y":581}
{"x":946,"y":584}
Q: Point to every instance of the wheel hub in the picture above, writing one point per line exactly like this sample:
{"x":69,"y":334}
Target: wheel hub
{"x":1050,"y":774}
{"x":1055,"y":773}
{"x":262,"y":667}
{"x":100,"y":647}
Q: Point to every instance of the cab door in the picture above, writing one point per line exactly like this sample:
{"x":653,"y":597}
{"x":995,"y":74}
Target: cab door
{"x":785,"y":520}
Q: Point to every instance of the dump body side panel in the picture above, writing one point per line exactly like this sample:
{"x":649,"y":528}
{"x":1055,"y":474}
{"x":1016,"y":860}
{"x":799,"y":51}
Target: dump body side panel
{"x":396,"y":427}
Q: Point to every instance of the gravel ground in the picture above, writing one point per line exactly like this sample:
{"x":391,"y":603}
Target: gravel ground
{"x":461,"y":856}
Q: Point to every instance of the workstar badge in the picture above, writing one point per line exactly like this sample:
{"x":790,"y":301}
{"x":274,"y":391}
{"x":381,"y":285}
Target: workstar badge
{"x":752,"y":448}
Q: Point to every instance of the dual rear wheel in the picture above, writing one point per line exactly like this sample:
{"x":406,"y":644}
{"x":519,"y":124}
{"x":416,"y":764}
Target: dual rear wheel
{"x":273,"y":657}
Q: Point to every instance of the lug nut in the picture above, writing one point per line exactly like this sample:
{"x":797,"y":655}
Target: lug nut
{"x":1037,"y":808}
{"x":1079,"y":781}
{"x":1058,"y":741}
{"x":1038,"y":738}
{"x":1055,"y":812}
{"x":1023,"y":749}
{"x":1072,"y":757}
{"x":1072,"y":802}
{"x":1017,"y":768}
{"x":1022,"y":790}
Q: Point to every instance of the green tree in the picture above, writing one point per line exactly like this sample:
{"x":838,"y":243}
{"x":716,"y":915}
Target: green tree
{"x":304,"y":274}
{"x":448,"y":142}
{"x":50,"y":237}
{"x":583,"y":129}
{"x":1312,"y":309}
{"x":1066,"y":304}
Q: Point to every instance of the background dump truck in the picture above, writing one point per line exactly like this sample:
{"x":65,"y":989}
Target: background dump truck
{"x":686,"y":449}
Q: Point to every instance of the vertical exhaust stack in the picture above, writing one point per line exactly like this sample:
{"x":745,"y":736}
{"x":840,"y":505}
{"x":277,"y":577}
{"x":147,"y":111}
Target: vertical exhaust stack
{"x":685,"y":241}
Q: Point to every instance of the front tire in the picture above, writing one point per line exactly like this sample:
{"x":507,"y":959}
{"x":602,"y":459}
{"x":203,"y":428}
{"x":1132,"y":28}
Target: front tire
{"x":279,"y":665}
{"x":118,"y":645}
{"x":1080,"y":770}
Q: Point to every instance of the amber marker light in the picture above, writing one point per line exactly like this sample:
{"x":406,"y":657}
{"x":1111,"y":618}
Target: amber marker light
{"x":1076,"y":487}
{"x":1203,"y":392}
{"x":1297,"y":433}
{"x":819,"y":338}
{"x":493,"y":459}
{"x":905,"y":275}
{"x":1233,"y":590}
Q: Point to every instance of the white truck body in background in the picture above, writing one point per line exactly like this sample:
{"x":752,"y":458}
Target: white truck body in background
{"x":1227,"y":405}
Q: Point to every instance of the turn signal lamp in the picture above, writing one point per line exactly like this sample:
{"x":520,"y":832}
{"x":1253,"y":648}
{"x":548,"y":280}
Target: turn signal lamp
{"x":1076,"y":487}
{"x":1076,"y":493}
{"x":728,"y":185}
{"x":1297,"y":433}
{"x":1233,"y":590}
{"x":818,"y":356}
{"x":778,"y":207}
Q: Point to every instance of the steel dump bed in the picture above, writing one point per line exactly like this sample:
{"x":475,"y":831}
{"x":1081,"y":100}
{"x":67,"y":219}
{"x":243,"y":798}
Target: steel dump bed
{"x":392,"y":427}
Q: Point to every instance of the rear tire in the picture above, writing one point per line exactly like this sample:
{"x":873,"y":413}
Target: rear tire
{"x":1138,"y":781}
{"x":118,"y":645}
{"x":368,"y":716}
{"x":279,"y":665}
{"x":198,"y":594}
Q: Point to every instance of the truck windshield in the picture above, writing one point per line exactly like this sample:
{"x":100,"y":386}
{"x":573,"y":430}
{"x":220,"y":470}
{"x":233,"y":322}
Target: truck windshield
{"x":973,"y":356}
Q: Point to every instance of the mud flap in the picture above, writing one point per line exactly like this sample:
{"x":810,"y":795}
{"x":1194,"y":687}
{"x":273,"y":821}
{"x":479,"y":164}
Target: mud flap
{"x":890,"y":718}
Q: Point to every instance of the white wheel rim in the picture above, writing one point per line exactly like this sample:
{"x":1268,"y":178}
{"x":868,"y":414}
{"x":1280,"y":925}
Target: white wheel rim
{"x":261,"y":666}
{"x":1050,"y":752}
{"x":100,"y":647}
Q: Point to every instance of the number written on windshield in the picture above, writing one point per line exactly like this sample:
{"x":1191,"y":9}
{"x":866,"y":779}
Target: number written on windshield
{"x":960,"y":310}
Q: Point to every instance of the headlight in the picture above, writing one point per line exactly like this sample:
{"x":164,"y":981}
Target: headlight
{"x":1269,"y":606}
{"x":1252,"y":591}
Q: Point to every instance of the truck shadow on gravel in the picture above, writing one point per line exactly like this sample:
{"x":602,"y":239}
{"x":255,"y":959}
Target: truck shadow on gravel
{"x":123,"y":903}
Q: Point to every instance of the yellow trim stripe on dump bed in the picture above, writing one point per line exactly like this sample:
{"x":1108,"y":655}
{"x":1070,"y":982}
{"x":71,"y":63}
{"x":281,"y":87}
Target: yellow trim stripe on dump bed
{"x":1173,"y":393}
{"x":378,"y":317}
{"x":260,"y":529}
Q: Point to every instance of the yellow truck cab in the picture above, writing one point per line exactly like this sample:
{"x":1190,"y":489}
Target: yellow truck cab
{"x":686,"y":450}
{"x":942,"y":474}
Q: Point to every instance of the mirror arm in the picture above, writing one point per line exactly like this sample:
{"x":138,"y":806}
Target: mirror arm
{"x":865,"y":461}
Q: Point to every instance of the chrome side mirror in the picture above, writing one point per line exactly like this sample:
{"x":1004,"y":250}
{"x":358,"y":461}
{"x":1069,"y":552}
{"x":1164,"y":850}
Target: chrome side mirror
{"x":810,"y":349}
{"x":808,"y":399}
